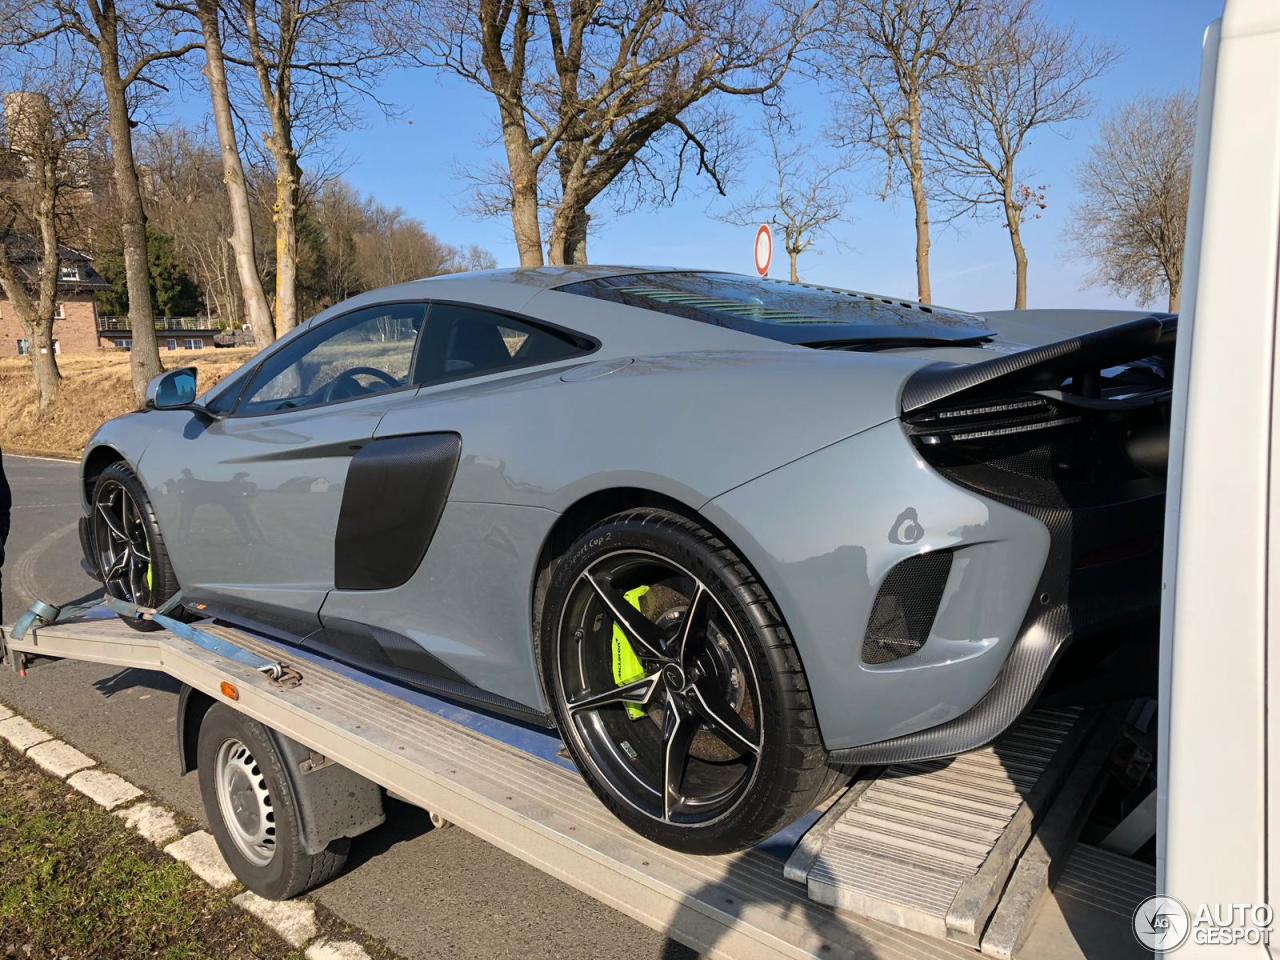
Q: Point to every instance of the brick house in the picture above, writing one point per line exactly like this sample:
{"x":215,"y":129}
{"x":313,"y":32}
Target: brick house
{"x":172,"y":333}
{"x":75,"y":325}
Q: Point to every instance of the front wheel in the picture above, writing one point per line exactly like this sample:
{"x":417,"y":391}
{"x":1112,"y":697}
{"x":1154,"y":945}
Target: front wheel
{"x":127,"y":549}
{"x":677,"y":687}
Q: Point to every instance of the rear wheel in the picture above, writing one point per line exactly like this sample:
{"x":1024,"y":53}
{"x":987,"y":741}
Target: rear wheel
{"x":253,"y":812}
{"x":128,"y":550}
{"x":676,"y":685}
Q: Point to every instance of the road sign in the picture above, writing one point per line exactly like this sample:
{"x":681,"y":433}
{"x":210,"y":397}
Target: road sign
{"x":764,"y":249}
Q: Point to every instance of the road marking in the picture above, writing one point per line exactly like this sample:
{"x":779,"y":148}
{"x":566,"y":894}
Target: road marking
{"x":60,"y":759}
{"x":32,"y":456}
{"x":152,"y":821}
{"x":199,"y":851}
{"x":22,"y":734}
{"x":23,"y":570}
{"x":294,"y":920}
{"x":107,"y":790}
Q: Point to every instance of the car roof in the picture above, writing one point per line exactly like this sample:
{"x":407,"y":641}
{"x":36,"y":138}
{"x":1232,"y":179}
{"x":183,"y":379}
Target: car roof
{"x":545,"y":278}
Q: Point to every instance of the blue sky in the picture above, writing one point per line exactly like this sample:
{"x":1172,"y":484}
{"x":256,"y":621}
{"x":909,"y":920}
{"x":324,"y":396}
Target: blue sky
{"x":445,"y":125}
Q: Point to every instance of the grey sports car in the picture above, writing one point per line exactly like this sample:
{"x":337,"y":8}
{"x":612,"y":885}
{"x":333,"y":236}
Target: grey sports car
{"x":731,"y":536}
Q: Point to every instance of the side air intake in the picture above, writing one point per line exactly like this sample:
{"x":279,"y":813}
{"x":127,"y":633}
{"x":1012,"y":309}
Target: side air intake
{"x":905,"y":607}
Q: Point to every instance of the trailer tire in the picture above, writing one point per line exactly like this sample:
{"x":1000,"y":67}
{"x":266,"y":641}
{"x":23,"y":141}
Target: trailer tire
{"x":253,"y":812}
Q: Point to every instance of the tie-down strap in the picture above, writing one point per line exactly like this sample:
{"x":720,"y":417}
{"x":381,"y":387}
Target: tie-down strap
{"x":43,"y":614}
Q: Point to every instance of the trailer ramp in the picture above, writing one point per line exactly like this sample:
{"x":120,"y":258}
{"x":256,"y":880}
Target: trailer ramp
{"x":929,"y":846}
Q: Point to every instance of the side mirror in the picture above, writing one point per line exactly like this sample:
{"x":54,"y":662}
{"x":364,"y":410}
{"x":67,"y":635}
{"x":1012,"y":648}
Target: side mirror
{"x":172,"y":390}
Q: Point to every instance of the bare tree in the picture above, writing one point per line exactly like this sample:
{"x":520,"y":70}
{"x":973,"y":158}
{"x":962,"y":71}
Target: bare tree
{"x":601,"y":88}
{"x":258,"y":310}
{"x":340,"y":211}
{"x":1019,"y":74}
{"x":311,"y":61}
{"x":184,"y":199}
{"x":803,"y":200}
{"x":50,"y":126}
{"x":1131,"y":220}
{"x":891,"y":59}
{"x":368,"y":245}
{"x":128,"y":38}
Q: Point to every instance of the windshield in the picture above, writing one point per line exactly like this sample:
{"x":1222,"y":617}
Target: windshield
{"x":800,"y":313}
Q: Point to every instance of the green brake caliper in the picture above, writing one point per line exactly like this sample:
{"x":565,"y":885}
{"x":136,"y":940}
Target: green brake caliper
{"x":627,"y":667}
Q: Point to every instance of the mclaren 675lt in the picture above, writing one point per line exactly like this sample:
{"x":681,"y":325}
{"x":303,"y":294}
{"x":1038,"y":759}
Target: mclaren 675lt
{"x":731,"y":536}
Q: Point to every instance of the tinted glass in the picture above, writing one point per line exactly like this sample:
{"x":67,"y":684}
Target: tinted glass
{"x":790,"y":312}
{"x":468,"y":341}
{"x":361,"y":354}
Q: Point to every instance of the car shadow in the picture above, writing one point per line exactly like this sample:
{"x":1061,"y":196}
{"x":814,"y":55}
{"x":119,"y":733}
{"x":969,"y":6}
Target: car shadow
{"x":132,"y":678}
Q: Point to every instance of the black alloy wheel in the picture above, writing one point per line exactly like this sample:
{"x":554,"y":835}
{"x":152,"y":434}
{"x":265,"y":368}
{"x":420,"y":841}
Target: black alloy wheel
{"x":699,"y":695}
{"x":676,"y":686}
{"x":126,"y":546}
{"x":121,"y":540}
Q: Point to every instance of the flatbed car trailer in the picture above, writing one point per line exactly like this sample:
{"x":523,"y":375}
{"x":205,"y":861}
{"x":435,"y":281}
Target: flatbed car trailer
{"x":947,"y":859}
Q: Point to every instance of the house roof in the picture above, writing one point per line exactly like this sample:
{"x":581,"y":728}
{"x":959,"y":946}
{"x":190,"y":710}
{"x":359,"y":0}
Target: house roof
{"x":23,"y":252}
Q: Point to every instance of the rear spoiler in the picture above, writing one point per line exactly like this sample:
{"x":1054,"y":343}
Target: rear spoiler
{"x":1044,"y":367}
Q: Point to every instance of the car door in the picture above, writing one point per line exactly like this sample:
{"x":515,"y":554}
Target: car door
{"x":435,"y":594}
{"x":250,"y":502}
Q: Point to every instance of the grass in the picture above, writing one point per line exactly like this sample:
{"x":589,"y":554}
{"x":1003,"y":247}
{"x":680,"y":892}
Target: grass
{"x":95,"y":388}
{"x":75,"y":883}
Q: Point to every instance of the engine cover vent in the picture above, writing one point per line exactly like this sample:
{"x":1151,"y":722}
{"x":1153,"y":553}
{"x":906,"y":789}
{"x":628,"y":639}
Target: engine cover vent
{"x":905,"y":607}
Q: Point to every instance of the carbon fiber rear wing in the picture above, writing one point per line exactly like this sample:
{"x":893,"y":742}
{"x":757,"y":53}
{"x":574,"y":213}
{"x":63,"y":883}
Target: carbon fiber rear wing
{"x":1043,"y":367}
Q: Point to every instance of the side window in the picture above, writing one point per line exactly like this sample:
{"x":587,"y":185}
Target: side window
{"x":468,"y":341}
{"x":357,"y":355}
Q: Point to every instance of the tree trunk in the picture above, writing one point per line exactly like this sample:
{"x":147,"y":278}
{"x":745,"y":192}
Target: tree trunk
{"x":524,"y":204}
{"x":288,"y":175}
{"x":39,"y":323}
{"x":576,"y":241}
{"x":1019,"y":260}
{"x":145,"y":356}
{"x":241,"y":240}
{"x":920,"y":201}
{"x":795,"y":268}
{"x":44,"y":364}
{"x":1173,"y":281}
{"x":567,"y":244}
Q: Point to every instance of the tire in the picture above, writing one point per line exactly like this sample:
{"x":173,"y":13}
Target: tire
{"x":160,"y":583}
{"x":279,"y":867}
{"x":748,"y":770}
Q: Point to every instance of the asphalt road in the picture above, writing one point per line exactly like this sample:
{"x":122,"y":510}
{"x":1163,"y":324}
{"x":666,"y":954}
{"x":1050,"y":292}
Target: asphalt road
{"x":425,"y":893}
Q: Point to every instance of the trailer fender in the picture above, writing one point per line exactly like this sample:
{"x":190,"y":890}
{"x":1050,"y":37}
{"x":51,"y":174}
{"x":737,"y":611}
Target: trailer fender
{"x":332,"y":801}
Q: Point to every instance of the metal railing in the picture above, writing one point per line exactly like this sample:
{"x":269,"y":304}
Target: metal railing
{"x":162,"y":324}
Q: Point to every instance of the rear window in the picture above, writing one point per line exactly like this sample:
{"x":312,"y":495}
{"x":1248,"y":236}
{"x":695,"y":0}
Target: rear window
{"x":791,"y":312}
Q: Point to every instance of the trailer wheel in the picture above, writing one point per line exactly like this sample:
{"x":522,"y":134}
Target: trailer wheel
{"x":253,"y":812}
